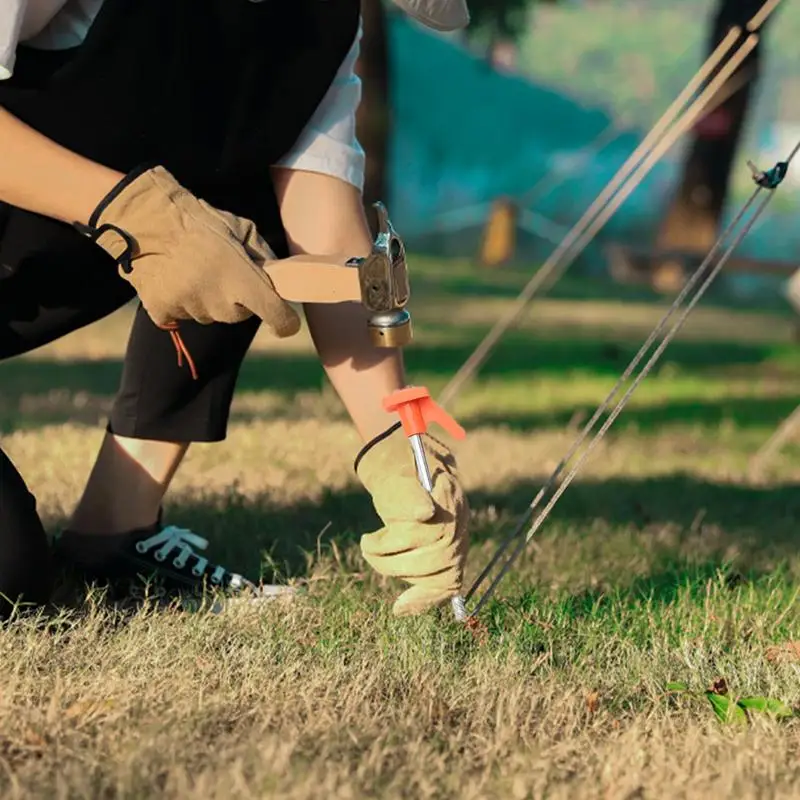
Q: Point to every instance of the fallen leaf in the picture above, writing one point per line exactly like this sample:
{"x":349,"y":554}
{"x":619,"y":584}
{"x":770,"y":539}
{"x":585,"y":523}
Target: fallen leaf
{"x":592,"y":702}
{"x":769,"y":705}
{"x":726,"y":710}
{"x":478,"y":630}
{"x":720,"y":687}
{"x":781,"y":653}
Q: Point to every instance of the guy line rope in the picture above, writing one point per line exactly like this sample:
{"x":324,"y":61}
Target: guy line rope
{"x":675,"y":121}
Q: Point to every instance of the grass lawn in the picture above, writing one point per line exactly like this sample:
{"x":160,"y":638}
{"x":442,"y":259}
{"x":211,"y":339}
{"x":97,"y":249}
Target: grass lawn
{"x":664,"y":562}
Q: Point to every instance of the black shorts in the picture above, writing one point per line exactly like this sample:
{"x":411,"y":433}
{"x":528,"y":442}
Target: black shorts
{"x":53,"y":296}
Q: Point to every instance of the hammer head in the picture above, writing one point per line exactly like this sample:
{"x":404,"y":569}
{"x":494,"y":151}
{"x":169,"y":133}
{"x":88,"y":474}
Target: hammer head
{"x":383,"y":276}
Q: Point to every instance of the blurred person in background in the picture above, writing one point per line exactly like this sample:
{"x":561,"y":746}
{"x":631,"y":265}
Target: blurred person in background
{"x":116,"y":118}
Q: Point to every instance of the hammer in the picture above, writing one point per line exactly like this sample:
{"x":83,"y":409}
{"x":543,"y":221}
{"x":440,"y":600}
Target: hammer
{"x":378,"y":281}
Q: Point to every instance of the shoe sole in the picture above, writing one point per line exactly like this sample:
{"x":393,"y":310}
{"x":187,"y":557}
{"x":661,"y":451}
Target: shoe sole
{"x":266,"y":594}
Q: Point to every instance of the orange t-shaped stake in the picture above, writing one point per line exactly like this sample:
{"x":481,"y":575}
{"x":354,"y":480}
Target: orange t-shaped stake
{"x":416,"y":409}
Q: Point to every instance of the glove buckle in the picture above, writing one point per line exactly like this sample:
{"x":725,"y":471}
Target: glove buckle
{"x":124,"y":257}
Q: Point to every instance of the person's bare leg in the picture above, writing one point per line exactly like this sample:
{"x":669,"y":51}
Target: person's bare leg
{"x":127,"y":485}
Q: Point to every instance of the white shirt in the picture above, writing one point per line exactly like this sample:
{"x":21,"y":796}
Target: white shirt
{"x":328,"y":144}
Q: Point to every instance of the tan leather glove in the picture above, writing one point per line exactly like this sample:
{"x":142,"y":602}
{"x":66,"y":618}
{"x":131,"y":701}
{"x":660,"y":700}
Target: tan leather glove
{"x":186,"y":259}
{"x":425,"y":539}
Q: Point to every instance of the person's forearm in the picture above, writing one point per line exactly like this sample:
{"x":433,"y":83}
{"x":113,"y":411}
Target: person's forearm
{"x":321,"y":216}
{"x":41,"y":176}
{"x":361,"y":373}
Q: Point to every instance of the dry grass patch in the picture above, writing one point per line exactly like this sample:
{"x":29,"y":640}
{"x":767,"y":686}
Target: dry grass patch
{"x":663,"y":563}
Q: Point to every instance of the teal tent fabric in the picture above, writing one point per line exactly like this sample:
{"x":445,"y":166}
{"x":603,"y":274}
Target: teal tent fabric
{"x":464,"y":134}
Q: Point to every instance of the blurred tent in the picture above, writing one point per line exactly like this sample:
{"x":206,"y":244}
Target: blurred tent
{"x":465,"y":134}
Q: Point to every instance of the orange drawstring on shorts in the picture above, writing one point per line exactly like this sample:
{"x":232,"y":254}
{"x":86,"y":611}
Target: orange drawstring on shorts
{"x":180,"y":347}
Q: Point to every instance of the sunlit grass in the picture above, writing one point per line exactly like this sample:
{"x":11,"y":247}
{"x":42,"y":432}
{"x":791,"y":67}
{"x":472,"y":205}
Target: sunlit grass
{"x":664,"y":562}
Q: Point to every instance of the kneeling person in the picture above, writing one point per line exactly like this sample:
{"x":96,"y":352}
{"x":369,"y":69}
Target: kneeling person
{"x":265,"y":138}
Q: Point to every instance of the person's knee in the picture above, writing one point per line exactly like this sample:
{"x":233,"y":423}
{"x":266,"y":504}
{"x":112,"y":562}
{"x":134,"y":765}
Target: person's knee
{"x":159,"y":398}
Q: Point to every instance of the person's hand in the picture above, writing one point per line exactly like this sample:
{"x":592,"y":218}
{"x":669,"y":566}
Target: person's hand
{"x":186,"y":259}
{"x":425,"y":539}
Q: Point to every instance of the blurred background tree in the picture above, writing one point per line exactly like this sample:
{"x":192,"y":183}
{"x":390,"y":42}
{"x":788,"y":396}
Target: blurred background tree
{"x":375,"y":112}
{"x":692,"y":220}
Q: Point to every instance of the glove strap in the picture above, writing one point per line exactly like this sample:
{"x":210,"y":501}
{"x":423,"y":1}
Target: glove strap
{"x":94,"y":231}
{"x":137,"y":172}
{"x":377,"y":440}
